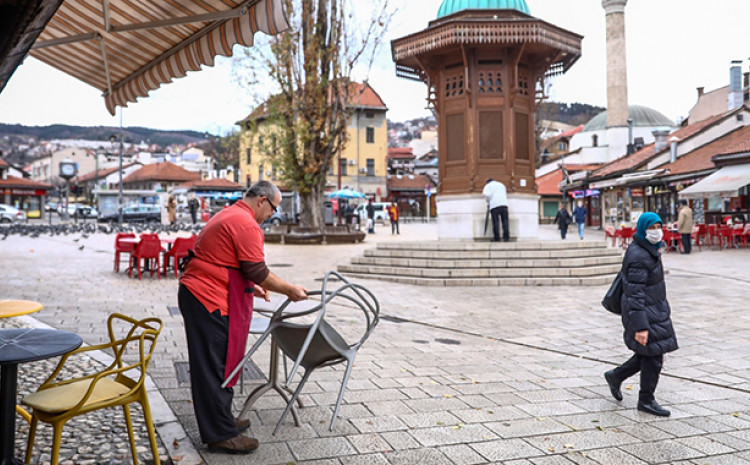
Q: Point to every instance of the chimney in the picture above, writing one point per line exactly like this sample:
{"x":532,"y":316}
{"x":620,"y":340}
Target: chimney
{"x":701,"y":90}
{"x":734,"y":99}
{"x":631,"y":147}
{"x":673,"y":149}
{"x":660,"y":138}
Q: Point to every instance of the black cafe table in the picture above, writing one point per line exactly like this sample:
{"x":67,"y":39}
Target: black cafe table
{"x":19,"y":345}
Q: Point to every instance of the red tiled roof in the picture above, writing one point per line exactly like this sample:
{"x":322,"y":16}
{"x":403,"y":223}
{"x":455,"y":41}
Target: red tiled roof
{"x":646,"y":153}
{"x":574,"y":167}
{"x":408,"y":182}
{"x":549,"y":184}
{"x":569,"y":133}
{"x":216,"y":184}
{"x":400,"y":152}
{"x":700,"y":159}
{"x":165,"y":171}
{"x":13,"y":181}
{"x":741,"y":147}
{"x":102,"y":173}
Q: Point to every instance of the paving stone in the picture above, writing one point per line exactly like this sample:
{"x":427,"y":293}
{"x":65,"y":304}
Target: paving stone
{"x":462,"y":455}
{"x":506,"y":449}
{"x":661,"y":451}
{"x":321,"y":448}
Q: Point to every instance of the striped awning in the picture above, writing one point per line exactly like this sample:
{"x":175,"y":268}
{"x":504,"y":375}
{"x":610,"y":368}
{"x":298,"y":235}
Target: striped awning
{"x":127,"y":48}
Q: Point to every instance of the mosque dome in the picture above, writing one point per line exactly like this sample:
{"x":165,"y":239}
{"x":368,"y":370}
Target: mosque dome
{"x":641,"y":116}
{"x":453,"y":6}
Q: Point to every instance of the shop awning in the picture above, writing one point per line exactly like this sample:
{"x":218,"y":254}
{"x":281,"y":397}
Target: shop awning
{"x":128,"y":48}
{"x":725,"y":182}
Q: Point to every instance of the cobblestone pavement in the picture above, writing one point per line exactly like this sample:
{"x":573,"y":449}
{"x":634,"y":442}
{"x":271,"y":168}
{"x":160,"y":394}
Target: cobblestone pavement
{"x":507,"y":375}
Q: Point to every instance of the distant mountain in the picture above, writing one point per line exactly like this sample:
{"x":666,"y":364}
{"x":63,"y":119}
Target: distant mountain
{"x":568,"y":113}
{"x":131,"y":134}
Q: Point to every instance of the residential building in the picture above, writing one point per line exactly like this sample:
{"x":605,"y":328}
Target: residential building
{"x":46,"y":168}
{"x":159,"y":177}
{"x":360,"y":166}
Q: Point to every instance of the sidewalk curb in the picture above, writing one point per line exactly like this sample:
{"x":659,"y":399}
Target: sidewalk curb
{"x":178,"y":445}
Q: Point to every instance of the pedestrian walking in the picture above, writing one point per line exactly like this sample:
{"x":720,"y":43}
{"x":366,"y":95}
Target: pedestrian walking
{"x":193,"y":206}
{"x":394,"y":213}
{"x":685,"y":225}
{"x":646,"y":316}
{"x":579,"y":215}
{"x":496,"y":195}
{"x":216,"y":301}
{"x":370,"y":217}
{"x":563,"y":220}
{"x":172,"y":210}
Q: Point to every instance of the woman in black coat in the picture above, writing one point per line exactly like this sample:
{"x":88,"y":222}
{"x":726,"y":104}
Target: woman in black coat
{"x":563,"y":220}
{"x":645,"y":315}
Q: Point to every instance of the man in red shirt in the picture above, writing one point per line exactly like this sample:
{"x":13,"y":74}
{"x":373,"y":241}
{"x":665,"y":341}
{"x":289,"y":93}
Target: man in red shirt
{"x":215,"y":298}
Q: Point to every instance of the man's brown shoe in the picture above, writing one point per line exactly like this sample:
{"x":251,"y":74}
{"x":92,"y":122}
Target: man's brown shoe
{"x":242,"y":424}
{"x":237,"y":445}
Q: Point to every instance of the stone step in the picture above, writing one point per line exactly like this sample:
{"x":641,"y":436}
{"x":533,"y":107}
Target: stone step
{"x":603,"y":280}
{"x":473,"y":273}
{"x":463,"y":246}
{"x":485,"y":262}
{"x":494,"y":254}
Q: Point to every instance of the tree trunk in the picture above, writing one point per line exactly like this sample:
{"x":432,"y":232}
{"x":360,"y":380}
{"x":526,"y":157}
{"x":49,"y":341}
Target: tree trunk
{"x":311,"y":208}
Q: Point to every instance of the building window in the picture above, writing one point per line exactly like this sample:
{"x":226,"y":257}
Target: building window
{"x":370,"y":135}
{"x":248,"y":154}
{"x":260,"y":172}
{"x":273,"y":172}
{"x":369,"y":114}
{"x":562,"y":146}
{"x":595,"y":141}
{"x":342,"y":166}
{"x":370,"y":167}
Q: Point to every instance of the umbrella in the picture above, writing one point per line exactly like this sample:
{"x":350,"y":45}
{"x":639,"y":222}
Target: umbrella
{"x":346,"y":194}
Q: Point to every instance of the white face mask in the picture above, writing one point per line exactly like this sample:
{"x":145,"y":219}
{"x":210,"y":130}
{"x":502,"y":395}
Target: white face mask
{"x":580,"y":204}
{"x":654,"y":235}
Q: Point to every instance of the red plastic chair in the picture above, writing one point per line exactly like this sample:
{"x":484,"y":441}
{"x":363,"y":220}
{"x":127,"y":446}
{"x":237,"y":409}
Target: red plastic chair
{"x":179,"y":250}
{"x":713,"y":233}
{"x":725,"y":233}
{"x":609,"y":231}
{"x":670,"y":238}
{"x":123,"y":247}
{"x":149,"y":249}
{"x":744,"y":235}
{"x":625,"y":234}
{"x":700,"y":233}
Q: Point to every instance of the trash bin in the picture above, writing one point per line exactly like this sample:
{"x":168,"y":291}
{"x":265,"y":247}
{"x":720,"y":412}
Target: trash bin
{"x":328,"y":212}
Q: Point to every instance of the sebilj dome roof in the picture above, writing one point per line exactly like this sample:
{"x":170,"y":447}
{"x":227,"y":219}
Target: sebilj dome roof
{"x":453,"y":6}
{"x":641,"y":116}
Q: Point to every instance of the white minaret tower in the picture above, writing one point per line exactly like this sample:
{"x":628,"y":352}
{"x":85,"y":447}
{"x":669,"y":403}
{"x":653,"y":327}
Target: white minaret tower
{"x":617,"y":78}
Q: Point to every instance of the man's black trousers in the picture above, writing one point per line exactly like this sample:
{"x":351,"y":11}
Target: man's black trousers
{"x":500,"y":213}
{"x":207,"y":337}
{"x":650,"y":368}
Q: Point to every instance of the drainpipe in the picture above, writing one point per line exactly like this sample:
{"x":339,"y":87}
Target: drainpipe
{"x":631,"y":147}
{"x":673,"y":149}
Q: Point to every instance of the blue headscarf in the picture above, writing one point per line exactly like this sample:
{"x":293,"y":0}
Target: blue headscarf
{"x":645,"y":221}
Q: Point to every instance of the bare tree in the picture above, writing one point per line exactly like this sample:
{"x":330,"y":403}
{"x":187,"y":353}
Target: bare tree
{"x":314,"y":95}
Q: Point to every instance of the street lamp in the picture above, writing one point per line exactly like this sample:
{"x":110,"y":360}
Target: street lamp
{"x":218,"y":151}
{"x":112,"y":140}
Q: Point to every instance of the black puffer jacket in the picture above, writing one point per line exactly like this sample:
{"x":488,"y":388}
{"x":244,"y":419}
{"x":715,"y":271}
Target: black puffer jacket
{"x":644,"y":300}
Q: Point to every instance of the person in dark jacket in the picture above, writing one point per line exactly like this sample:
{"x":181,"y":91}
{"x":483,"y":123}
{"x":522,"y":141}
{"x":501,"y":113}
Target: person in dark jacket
{"x":579,"y":214}
{"x":645,"y":315}
{"x":563,"y":220}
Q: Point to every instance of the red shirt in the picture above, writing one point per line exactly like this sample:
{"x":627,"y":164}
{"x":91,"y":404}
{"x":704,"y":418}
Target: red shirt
{"x":231,"y":236}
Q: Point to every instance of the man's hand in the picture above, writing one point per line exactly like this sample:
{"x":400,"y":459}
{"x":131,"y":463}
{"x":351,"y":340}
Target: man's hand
{"x":262,"y":293}
{"x":297,"y":293}
{"x":641,"y":337}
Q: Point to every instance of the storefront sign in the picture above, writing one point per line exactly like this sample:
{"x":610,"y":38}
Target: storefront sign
{"x":18,"y":191}
{"x":636,"y":192}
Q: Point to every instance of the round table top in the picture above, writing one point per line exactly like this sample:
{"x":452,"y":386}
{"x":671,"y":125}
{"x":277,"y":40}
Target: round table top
{"x":19,"y":345}
{"x":10,"y":308}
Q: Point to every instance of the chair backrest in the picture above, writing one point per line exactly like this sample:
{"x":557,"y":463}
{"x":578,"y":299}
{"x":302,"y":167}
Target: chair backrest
{"x":609,"y":231}
{"x":124,"y":333}
{"x":148,"y":247}
{"x":182,"y":245}
{"x":149,"y":236}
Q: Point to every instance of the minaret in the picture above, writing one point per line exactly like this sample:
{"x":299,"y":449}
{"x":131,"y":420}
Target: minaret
{"x":617,"y":71}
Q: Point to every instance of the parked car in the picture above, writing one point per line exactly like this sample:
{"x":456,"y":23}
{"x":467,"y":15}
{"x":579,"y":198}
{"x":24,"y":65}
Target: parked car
{"x":79,"y":210}
{"x":143,"y":213}
{"x":278,"y":217}
{"x":381,"y":212}
{"x":10,"y":214}
{"x":51,"y":206}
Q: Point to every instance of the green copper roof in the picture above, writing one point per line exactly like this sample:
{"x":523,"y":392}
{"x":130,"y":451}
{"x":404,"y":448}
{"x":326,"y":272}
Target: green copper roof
{"x":641,"y":116}
{"x":452,"y":6}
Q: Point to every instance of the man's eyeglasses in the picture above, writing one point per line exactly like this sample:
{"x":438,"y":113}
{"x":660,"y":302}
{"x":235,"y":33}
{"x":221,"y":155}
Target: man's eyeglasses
{"x":275,"y":208}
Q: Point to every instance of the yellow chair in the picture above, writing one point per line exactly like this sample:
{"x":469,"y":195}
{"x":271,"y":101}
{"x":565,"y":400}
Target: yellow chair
{"x":55,"y":402}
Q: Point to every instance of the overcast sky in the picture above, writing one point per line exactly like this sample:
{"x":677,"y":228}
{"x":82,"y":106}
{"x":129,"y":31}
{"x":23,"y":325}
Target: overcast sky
{"x":673,"y":46}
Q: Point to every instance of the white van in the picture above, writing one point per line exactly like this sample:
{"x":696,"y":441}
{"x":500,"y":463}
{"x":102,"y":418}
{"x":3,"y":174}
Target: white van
{"x":381,"y":212}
